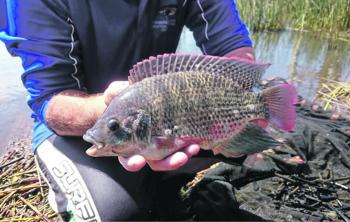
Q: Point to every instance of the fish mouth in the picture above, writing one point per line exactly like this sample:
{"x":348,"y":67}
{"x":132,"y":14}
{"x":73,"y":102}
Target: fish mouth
{"x":91,"y":139}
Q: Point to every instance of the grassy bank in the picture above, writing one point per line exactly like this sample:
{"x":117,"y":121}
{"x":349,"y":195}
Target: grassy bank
{"x":328,"y":16}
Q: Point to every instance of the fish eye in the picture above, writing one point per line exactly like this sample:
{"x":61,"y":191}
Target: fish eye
{"x":113,"y":125}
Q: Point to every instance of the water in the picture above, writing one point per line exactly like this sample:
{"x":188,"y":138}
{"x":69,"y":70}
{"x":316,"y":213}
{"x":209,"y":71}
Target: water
{"x":305,"y":58}
{"x":14,"y":113}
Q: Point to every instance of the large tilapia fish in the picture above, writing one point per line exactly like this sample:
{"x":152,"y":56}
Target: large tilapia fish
{"x":175,"y":100}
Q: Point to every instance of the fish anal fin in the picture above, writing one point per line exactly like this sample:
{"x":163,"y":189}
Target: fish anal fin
{"x":252,"y":139}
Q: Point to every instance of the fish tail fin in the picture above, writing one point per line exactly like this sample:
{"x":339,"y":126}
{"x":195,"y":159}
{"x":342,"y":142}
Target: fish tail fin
{"x":252,"y":139}
{"x":281,"y":100}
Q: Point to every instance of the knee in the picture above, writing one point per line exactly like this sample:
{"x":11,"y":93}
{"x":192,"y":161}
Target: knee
{"x":117,"y":206}
{"x":99,"y":205}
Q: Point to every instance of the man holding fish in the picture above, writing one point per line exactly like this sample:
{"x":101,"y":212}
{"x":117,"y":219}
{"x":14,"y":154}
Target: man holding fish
{"x":76,"y":56}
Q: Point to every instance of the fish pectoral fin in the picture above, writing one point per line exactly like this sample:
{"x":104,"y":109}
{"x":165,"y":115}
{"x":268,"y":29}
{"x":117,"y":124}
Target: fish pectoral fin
{"x":252,"y":139}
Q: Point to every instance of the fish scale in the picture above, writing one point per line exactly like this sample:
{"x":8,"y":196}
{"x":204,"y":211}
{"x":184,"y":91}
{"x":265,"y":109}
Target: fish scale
{"x":195,"y":101}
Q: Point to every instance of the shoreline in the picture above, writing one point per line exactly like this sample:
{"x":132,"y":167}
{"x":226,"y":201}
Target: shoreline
{"x":18,"y":137}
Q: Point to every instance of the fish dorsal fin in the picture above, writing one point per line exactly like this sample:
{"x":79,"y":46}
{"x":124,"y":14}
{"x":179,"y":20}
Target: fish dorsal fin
{"x":245,"y":72}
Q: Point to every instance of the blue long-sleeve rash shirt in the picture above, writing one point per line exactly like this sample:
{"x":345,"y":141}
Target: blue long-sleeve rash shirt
{"x":85,"y":44}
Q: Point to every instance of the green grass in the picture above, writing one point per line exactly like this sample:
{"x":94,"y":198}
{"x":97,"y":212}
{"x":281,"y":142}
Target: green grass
{"x":330,"y":16}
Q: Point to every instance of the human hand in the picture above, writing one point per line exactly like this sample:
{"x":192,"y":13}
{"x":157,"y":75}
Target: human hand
{"x":137,"y":162}
{"x":113,"y":89}
{"x":173,"y":162}
{"x":243,"y":53}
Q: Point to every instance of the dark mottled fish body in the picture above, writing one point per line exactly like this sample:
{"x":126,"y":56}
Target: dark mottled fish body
{"x":158,"y":114}
{"x":197,"y":104}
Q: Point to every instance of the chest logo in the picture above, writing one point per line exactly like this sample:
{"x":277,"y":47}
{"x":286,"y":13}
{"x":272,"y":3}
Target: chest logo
{"x":165,"y":18}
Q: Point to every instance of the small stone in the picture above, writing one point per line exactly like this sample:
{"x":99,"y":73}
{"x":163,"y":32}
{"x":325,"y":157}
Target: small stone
{"x":334,"y":116}
{"x":315,"y":107}
{"x":332,"y":215}
{"x":296,"y":160}
{"x":347,"y":132}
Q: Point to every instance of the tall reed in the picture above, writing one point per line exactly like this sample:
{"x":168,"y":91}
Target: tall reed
{"x":331,"y":16}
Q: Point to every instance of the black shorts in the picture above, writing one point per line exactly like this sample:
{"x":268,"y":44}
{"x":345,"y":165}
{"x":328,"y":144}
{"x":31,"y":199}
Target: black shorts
{"x":94,"y":189}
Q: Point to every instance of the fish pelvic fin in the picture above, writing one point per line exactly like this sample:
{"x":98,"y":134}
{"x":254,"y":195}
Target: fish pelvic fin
{"x":252,"y":139}
{"x":281,"y":100}
{"x":245,"y":72}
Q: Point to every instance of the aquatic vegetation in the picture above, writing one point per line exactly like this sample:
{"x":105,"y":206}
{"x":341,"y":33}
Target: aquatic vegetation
{"x":335,"y":95}
{"x":23,"y":193}
{"x":322,"y":15}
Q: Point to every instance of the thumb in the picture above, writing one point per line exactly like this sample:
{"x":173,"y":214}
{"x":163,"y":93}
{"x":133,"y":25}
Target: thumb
{"x":113,"y":89}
